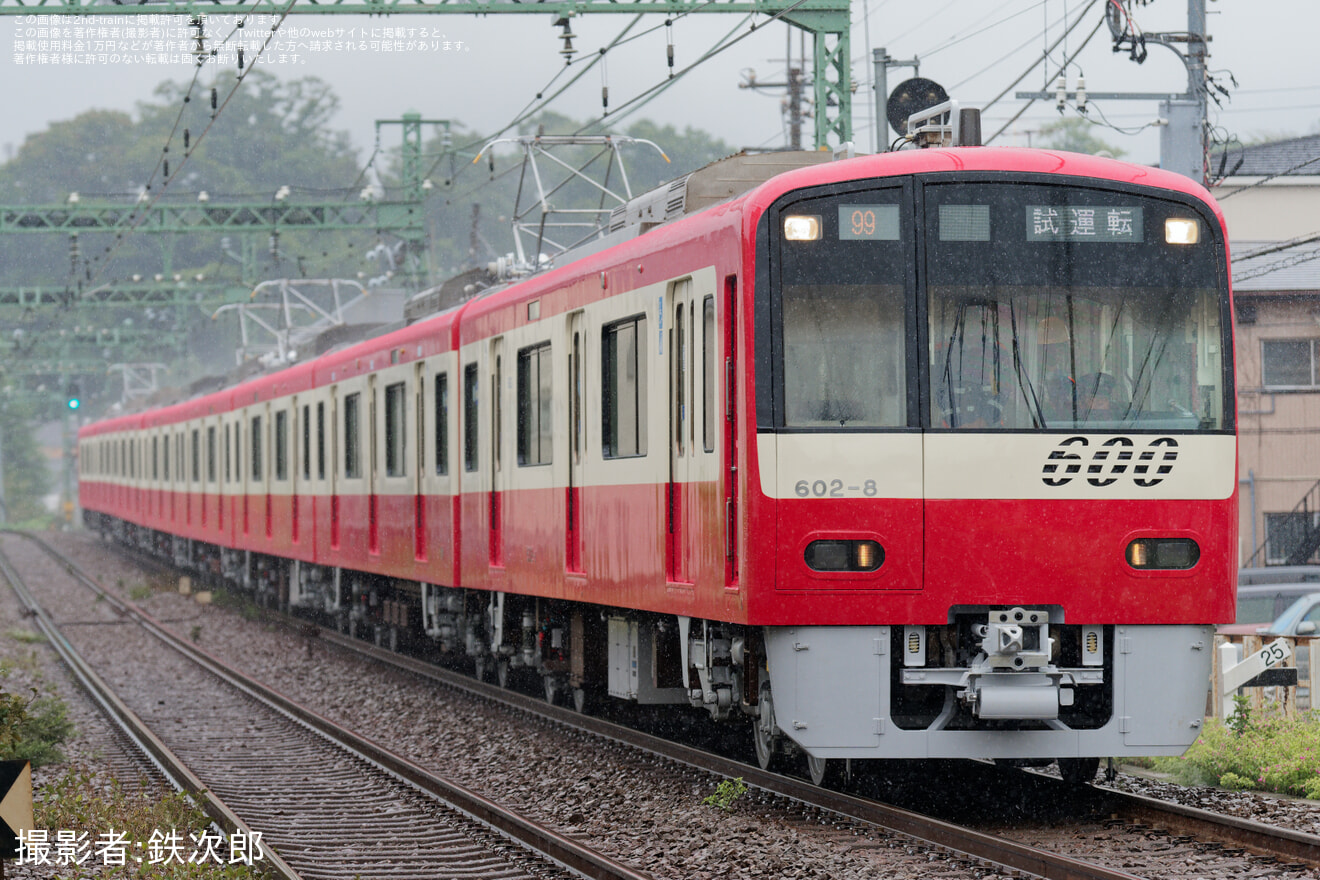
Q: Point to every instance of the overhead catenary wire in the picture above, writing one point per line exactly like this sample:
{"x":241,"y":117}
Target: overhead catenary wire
{"x":1075,"y":53}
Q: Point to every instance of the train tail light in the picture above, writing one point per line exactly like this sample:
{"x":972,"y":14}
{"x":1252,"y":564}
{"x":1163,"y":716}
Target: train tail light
{"x":844,"y":555}
{"x":1163,"y":553}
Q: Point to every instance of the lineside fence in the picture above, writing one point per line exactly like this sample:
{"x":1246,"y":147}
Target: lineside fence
{"x":1274,"y":673}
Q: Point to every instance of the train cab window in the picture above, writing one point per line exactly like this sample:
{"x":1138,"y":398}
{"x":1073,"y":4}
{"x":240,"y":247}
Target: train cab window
{"x":282,"y":445}
{"x":352,"y":428}
{"x":396,"y":432}
{"x":307,"y":442}
{"x":442,"y":423}
{"x":210,"y":454}
{"x":196,"y":456}
{"x":320,"y":441}
{"x":470,"y":417}
{"x":709,"y":350}
{"x":535,"y":405}
{"x":843,"y":313}
{"x":1057,"y":308}
{"x":623,"y":388}
{"x":255,"y":454}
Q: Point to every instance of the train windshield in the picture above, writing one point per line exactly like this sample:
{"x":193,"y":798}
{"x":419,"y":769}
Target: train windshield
{"x":999,"y":306}
{"x":1080,"y":309}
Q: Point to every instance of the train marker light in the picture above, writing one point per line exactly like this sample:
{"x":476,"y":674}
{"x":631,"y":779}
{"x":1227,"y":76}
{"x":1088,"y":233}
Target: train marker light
{"x":1179,"y":230}
{"x":844,"y":556}
{"x":801,"y":227}
{"x":1163,"y":553}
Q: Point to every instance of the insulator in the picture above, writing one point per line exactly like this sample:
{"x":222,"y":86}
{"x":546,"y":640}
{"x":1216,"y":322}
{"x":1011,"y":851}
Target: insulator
{"x":670,"y":51}
{"x":215,"y":95}
{"x":167,"y":168}
{"x":240,"y":57}
{"x":187,"y":138}
{"x":605,"y":97}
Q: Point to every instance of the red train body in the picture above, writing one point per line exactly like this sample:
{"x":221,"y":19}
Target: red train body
{"x":925,"y":453}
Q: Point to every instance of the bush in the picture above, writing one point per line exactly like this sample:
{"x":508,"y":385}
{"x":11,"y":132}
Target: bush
{"x":33,"y":731}
{"x":1274,"y":753}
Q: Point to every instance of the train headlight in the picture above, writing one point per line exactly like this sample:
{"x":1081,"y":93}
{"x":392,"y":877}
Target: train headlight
{"x":844,"y":555}
{"x":1180,"y":230}
{"x":801,"y":227}
{"x":1166,"y":553}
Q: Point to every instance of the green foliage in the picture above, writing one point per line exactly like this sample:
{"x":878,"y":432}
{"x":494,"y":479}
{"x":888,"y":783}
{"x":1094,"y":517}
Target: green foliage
{"x":33,"y":730}
{"x":726,"y":793}
{"x":26,"y":476}
{"x":1273,"y":753}
{"x":80,"y":802}
{"x":1240,"y":721}
{"x":1077,"y":135}
{"x":139,"y":592}
{"x":25,"y":636}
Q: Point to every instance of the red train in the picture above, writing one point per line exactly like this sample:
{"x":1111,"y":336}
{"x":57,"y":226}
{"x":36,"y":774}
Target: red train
{"x":921,"y":454}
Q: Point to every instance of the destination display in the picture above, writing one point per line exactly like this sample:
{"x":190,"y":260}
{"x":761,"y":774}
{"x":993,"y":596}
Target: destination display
{"x":1083,"y":223}
{"x":868,"y":223}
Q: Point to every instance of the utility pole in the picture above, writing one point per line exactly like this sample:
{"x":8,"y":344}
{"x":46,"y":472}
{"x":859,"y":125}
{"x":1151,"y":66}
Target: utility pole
{"x":1183,"y":133}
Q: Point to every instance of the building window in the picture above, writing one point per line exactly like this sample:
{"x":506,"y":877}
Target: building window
{"x":535,"y":406}
{"x":623,"y":411}
{"x":1290,"y":534}
{"x":352,"y":450}
{"x":442,"y":423}
{"x":1289,"y":363}
{"x":470,"y":417}
{"x":396,"y":429}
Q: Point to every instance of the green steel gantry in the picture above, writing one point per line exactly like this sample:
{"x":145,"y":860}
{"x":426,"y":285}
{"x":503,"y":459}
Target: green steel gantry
{"x":826,"y":20}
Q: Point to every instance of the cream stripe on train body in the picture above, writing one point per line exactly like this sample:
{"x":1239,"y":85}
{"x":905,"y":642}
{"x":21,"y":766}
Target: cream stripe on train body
{"x":989,"y":466}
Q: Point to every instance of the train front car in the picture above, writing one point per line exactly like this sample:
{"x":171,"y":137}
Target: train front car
{"x":996,"y":455}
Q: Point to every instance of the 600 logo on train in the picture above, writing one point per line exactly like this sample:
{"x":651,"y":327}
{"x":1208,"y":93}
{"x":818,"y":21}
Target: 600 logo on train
{"x":1111,"y":461}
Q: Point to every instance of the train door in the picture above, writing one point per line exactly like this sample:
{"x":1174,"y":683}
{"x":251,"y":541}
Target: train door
{"x":419,"y":462}
{"x":497,"y":481}
{"x":267,"y":465}
{"x":332,"y":470}
{"x":577,"y":380}
{"x":679,"y":505}
{"x":373,"y":502}
{"x":296,"y":451}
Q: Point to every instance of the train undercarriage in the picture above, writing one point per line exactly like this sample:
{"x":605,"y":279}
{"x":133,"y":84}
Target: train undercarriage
{"x":1007,"y":683}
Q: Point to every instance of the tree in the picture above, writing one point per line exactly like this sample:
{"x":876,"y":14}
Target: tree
{"x":1076,"y":135}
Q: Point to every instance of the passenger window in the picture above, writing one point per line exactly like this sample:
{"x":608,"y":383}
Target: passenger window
{"x":352,"y":450}
{"x":282,"y":445}
{"x":623,"y":392}
{"x":307,"y":442}
{"x":396,"y":430}
{"x":709,"y":350}
{"x":535,"y":405}
{"x":210,"y":454}
{"x":256,"y":448}
{"x":470,"y":433}
{"x":442,"y":423}
{"x":196,"y":455}
{"x":320,"y":441}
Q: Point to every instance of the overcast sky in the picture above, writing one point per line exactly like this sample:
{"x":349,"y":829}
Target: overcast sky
{"x":494,"y":66}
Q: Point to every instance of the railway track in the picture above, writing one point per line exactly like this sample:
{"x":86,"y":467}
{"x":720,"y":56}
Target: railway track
{"x":251,"y":743}
{"x":1281,"y":844}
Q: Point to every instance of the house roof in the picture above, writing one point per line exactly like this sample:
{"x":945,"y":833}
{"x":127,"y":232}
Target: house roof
{"x":1299,"y":156}
{"x":1291,"y":269}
